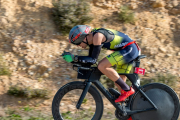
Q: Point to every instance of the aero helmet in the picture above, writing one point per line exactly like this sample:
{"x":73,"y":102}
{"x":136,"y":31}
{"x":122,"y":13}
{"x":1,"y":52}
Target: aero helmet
{"x":78,"y":33}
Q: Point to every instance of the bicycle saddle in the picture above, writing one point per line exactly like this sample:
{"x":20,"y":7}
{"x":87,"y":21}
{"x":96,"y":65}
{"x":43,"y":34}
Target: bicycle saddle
{"x":140,"y":57}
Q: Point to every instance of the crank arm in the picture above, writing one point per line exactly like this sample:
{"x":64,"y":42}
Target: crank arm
{"x":139,"y":111}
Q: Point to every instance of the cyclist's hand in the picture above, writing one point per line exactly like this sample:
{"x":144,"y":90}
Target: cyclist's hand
{"x":68,"y":57}
{"x":66,"y":53}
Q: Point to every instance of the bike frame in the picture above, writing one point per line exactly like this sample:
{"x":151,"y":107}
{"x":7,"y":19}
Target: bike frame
{"x":94,"y":78}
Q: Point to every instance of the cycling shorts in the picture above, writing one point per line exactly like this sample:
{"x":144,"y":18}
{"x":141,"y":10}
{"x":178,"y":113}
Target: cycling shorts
{"x":124,"y":58}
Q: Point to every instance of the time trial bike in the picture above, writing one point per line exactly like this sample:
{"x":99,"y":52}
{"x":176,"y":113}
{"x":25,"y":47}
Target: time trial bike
{"x":81,"y":100}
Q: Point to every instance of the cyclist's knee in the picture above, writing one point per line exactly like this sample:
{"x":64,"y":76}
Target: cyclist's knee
{"x":101,"y":66}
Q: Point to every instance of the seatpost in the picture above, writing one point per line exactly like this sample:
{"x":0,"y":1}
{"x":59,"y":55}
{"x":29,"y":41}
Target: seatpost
{"x":137,"y":63}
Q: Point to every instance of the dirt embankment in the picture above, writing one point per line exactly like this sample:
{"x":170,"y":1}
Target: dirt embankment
{"x":32,"y":45}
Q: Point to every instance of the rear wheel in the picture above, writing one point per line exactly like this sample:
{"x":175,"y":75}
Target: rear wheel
{"x":65,"y":100}
{"x":163,"y":97}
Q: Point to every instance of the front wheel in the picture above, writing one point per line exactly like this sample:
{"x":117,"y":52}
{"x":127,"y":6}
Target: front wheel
{"x":65,"y":100}
{"x":163,"y":97}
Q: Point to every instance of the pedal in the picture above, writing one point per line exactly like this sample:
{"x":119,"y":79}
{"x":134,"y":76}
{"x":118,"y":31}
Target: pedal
{"x":114,"y":92}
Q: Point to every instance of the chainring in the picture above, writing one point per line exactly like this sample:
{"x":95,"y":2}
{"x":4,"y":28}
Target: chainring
{"x":119,"y":116}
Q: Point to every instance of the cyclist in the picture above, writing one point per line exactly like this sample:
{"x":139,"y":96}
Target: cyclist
{"x":125,"y":51}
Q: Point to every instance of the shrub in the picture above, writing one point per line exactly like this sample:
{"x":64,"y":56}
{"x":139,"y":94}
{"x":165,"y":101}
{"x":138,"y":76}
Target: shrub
{"x":27,"y":92}
{"x":3,"y":68}
{"x":167,"y":79}
{"x":126,"y":15}
{"x":68,"y":13}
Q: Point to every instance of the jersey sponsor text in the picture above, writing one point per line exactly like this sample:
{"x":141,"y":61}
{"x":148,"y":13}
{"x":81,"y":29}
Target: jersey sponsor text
{"x":120,"y":45}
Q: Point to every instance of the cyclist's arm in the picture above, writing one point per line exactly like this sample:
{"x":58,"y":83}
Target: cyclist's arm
{"x":90,"y":50}
{"x":94,"y":50}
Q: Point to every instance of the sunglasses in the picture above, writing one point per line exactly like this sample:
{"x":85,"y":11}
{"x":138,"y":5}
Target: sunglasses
{"x":80,"y":40}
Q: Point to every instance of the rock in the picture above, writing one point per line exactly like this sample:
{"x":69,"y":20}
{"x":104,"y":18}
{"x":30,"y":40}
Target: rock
{"x":30,"y":73}
{"x":169,"y":6}
{"x":58,"y":83}
{"x":175,"y":3}
{"x":14,"y":49}
{"x":133,"y":6}
{"x":21,"y":55}
{"x":27,"y":46}
{"x":22,"y":64}
{"x":178,"y":24}
{"x":54,"y":41}
{"x":27,"y":41}
{"x":42,"y":68}
{"x":4,"y":21}
{"x":15,"y":63}
{"x":114,"y":0}
{"x":73,"y":74}
{"x":178,"y":54}
{"x":117,"y":5}
{"x":23,"y":68}
{"x":29,"y":61}
{"x":153,"y":70}
{"x":49,"y":69}
{"x":47,"y":102}
{"x":32,"y":67}
{"x":174,"y":11}
{"x":35,"y":61}
{"x":109,"y":2}
{"x":162,"y":49}
{"x":16,"y":43}
{"x":50,"y":56}
{"x":158,"y":3}
{"x":45,"y":75}
{"x":169,"y":55}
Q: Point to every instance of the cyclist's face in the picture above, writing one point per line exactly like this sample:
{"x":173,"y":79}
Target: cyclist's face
{"x":83,"y":45}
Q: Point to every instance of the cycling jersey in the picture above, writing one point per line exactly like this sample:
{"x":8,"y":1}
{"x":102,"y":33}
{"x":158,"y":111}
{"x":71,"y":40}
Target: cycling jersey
{"x":115,"y":40}
{"x":122,"y":44}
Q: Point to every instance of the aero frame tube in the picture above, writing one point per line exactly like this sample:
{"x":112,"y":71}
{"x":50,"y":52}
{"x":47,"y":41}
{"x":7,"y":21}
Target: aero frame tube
{"x":108,"y":96}
{"x":83,"y":94}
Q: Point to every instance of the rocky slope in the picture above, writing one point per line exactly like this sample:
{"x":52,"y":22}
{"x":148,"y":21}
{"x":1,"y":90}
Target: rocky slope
{"x":32,"y":46}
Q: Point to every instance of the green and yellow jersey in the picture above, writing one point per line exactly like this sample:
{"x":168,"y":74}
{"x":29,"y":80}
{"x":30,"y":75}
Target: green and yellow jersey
{"x":115,"y":40}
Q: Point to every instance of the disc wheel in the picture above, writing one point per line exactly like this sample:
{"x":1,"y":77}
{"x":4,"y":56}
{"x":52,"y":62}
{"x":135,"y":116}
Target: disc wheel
{"x":163,"y":97}
{"x":65,"y":101}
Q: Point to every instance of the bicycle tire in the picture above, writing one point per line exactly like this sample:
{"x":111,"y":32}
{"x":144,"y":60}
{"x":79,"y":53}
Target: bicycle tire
{"x":163,"y":97}
{"x":74,"y":86}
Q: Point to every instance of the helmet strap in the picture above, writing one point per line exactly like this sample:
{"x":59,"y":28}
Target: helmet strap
{"x":86,"y":41}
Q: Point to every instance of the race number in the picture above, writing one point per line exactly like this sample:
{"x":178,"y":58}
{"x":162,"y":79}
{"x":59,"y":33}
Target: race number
{"x":139,"y":70}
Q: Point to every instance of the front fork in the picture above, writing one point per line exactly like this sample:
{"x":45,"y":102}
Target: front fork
{"x":88,"y":84}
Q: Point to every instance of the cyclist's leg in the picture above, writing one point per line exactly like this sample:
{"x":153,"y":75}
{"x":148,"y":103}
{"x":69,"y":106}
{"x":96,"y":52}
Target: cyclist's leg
{"x":113,"y":59}
{"x":125,"y":68}
{"x":124,"y":79}
{"x":105,"y":67}
{"x":121,"y":57}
